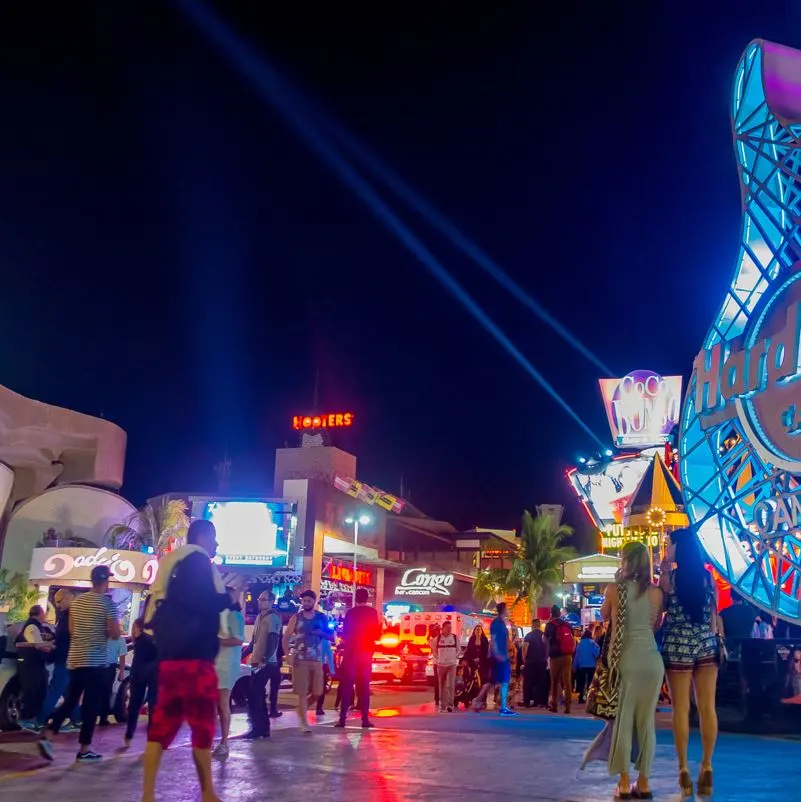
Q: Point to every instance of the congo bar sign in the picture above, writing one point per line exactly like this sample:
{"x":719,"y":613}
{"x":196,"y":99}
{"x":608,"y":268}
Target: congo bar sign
{"x":418,"y":582}
{"x":75,"y":565}
{"x":755,"y":378}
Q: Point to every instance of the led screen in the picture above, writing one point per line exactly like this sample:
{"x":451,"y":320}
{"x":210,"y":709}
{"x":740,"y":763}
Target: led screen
{"x":607,"y":489}
{"x":250,"y":532}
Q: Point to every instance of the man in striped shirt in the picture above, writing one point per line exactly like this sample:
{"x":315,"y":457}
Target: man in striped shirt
{"x":93,"y":620}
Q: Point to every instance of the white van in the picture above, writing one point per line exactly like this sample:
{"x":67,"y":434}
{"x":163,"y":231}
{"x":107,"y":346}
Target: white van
{"x":416,"y":627}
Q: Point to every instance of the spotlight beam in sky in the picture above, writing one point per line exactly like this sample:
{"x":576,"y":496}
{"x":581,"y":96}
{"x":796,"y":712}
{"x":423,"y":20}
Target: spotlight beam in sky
{"x":263,"y":79}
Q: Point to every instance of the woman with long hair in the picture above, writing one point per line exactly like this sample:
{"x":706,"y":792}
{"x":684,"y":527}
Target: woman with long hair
{"x":477,"y":653}
{"x":634,"y":604}
{"x":690,"y":650}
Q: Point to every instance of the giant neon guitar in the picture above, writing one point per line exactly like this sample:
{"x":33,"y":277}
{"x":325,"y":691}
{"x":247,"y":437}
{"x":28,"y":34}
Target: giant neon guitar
{"x":740,"y":441}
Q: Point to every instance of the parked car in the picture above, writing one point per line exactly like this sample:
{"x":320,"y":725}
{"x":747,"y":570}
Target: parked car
{"x":9,"y":682}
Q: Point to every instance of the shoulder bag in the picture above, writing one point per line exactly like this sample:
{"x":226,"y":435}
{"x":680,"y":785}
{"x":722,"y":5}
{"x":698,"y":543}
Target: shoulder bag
{"x":602,"y":697}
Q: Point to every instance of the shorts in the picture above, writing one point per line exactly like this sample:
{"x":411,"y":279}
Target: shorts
{"x":187,"y":692}
{"x":501,"y":672}
{"x":686,"y":648}
{"x":307,"y":677}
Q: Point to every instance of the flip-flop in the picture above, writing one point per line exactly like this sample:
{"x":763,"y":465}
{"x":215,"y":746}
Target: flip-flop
{"x":636,"y":793}
{"x":622,"y":794}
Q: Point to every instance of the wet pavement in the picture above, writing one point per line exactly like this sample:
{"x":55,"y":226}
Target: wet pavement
{"x":413,"y":754}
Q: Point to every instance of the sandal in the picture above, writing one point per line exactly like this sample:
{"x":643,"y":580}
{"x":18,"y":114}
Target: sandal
{"x":621,"y":794}
{"x":636,"y":793}
{"x":685,"y":783}
{"x":704,"y":783}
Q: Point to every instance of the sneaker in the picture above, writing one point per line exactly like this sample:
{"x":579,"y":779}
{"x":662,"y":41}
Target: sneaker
{"x":505,"y":711}
{"x":221,"y":751}
{"x":368,"y":725}
{"x":45,"y":749}
{"x":305,"y":728}
{"x":70,"y":727}
{"x":450,"y":708}
{"x":276,"y":714}
{"x":88,"y":757}
{"x":340,"y":725}
{"x":254,"y":736}
{"x":30,"y":725}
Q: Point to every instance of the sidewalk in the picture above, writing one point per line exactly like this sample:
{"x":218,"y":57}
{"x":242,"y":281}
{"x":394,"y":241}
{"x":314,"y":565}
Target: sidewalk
{"x":412,"y":755}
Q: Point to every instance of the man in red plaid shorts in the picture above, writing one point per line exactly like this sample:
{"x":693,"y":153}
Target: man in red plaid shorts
{"x":185,"y":624}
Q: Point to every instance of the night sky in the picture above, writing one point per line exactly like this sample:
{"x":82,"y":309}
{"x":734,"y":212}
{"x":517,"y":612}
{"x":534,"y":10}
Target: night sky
{"x":176,"y":259}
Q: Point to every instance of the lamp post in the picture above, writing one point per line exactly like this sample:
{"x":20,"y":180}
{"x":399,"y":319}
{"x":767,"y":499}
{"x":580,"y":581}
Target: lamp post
{"x":356,"y":520}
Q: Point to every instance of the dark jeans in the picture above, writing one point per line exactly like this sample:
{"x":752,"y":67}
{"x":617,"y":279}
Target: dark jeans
{"x":57,"y":689}
{"x":89,"y":683}
{"x":33,"y":684}
{"x":140,"y":690}
{"x":257,"y":701}
{"x":359,"y":668}
{"x":436,"y":685}
{"x":105,"y":704}
{"x":274,"y":676}
{"x":535,"y":684}
{"x":583,"y":680}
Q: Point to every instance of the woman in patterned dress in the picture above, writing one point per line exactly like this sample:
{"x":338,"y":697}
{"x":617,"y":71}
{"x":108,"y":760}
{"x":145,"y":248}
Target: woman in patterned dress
{"x":690,"y":650}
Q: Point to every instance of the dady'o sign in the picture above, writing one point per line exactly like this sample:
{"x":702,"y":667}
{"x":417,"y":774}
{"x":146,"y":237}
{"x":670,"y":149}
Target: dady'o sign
{"x":418,"y":582}
{"x":756,"y":378}
{"x":55,"y":565}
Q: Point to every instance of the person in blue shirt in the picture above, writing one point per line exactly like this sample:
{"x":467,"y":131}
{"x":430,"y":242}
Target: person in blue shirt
{"x":584,"y":661}
{"x":500,"y":665}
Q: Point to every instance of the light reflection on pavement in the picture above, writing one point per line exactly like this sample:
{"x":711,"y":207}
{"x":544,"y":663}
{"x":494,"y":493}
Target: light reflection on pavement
{"x":413,"y":754}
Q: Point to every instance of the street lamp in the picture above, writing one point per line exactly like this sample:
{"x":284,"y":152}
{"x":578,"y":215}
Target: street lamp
{"x":362,"y":519}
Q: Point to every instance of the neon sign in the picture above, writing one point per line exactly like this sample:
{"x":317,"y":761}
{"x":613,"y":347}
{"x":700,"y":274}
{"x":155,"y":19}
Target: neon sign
{"x":756,"y":382}
{"x":615,"y":536}
{"x":340,"y":572}
{"x":75,"y":565}
{"x":418,"y":582}
{"x":331,"y":421}
{"x":642,"y":407}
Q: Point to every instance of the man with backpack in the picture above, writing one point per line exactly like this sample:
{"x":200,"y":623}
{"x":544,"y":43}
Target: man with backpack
{"x":561,"y":645}
{"x":447,"y":659}
{"x":535,"y":667}
{"x":183,"y":613}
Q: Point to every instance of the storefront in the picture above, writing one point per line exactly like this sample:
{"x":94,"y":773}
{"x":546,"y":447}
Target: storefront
{"x":339,"y":583}
{"x":132,"y":572}
{"x":585,"y":580}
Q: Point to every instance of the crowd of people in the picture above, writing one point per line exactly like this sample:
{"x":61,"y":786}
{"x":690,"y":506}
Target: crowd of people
{"x":187,"y":657}
{"x":188,"y":650}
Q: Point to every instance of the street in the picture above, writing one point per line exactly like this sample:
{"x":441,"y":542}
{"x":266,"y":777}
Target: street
{"x":413,"y":754}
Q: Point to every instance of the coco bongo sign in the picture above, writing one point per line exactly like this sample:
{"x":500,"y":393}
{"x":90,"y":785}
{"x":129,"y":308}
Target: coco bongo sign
{"x":418,"y":582}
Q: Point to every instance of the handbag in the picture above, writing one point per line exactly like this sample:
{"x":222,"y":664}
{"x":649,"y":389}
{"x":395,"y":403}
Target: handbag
{"x":720,"y":641}
{"x":602,"y":698}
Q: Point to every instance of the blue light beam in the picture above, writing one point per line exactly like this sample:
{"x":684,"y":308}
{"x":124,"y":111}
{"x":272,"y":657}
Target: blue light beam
{"x":373,"y":163}
{"x":434,"y":217}
{"x":260,"y":75}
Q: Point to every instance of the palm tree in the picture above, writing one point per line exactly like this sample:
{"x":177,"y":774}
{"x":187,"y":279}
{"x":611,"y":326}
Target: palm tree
{"x":490,"y":585}
{"x":537,"y":567}
{"x":162,"y":529}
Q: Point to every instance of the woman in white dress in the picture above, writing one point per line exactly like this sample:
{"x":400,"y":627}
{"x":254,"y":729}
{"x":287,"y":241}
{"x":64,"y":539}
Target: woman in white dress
{"x":229,"y":658}
{"x":641,"y":669}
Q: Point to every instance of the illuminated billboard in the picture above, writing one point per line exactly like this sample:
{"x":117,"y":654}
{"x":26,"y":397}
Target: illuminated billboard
{"x":333,"y":420}
{"x":606,"y":488}
{"x":250,"y":532}
{"x":643,"y":408}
